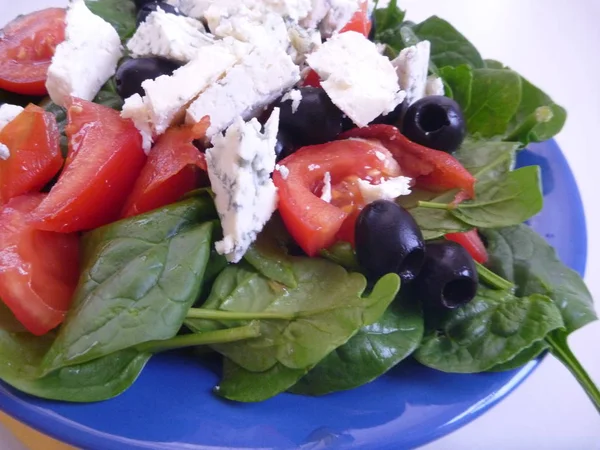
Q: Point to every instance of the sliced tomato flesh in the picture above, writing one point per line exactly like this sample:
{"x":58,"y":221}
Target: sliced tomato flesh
{"x":33,"y":141}
{"x":38,"y":269}
{"x":312,"y":221}
{"x":105,"y":159}
{"x":471,"y":241}
{"x":174,"y":167}
{"x":27,"y":45}
{"x":433,"y":170}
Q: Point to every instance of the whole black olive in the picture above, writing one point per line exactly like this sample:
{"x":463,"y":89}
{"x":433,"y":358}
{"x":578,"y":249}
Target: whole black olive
{"x":150,"y":7}
{"x":284,"y":146}
{"x":314,"y":119}
{"x":436,"y":122}
{"x":389,"y":240}
{"x":394,"y":117}
{"x":133,"y":72}
{"x":139,"y":4}
{"x":448,"y":278}
{"x":372,"y":33}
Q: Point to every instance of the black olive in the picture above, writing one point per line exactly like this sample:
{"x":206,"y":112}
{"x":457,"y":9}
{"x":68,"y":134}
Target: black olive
{"x":371,"y":35}
{"x":436,"y":122}
{"x":394,"y":117}
{"x":389,"y":240}
{"x":133,"y":72}
{"x":150,"y":7}
{"x":316,"y":119}
{"x":284,"y":146}
{"x":139,"y":4}
{"x":448,"y":278}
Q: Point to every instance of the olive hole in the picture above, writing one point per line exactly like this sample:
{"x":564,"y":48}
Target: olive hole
{"x":433,"y":118}
{"x":458,"y":292}
{"x":411,"y":265}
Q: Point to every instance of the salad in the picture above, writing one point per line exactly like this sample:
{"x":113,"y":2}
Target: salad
{"x":313,"y":190}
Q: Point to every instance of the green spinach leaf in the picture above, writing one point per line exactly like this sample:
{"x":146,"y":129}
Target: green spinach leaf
{"x":140,"y":276}
{"x":460,"y":80}
{"x":492,"y":329}
{"x":487,"y":160}
{"x":121,"y":14}
{"x":448,"y":46}
{"x":300,"y":326}
{"x":495,"y":99}
{"x":516,"y":198}
{"x":520,"y":255}
{"x":388,"y":23}
{"x":374,"y":350}
{"x":108,"y":95}
{"x":343,"y":254}
{"x":522,"y":358}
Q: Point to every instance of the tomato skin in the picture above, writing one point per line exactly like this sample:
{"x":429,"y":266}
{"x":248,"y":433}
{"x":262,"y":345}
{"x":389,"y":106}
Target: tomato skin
{"x":35,"y":157}
{"x":311,"y":221}
{"x":312,"y":79}
{"x":432,"y":169}
{"x":27,"y":45}
{"x":360,"y":21}
{"x":38,"y":269}
{"x":105,"y":159}
{"x":172,"y":170}
{"x":471,"y":241}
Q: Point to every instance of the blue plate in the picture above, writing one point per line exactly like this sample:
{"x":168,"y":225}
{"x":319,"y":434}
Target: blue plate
{"x":171,"y":405}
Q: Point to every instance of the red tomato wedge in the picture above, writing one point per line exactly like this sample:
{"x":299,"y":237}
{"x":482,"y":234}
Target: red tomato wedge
{"x":311,"y":221}
{"x":312,"y":79}
{"x":38,"y":269}
{"x":105,"y":159}
{"x":471,"y":241}
{"x":173,"y":168}
{"x":360,"y":21}
{"x":35,"y":158}
{"x":432,"y":169}
{"x":27,"y":45}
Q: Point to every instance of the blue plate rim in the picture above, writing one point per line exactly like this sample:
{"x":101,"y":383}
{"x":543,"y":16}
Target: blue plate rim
{"x":81,"y":436}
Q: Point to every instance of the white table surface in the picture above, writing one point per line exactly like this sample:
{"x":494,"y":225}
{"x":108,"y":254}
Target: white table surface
{"x":556,"y":44}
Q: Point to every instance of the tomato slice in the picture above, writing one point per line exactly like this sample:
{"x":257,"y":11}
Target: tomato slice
{"x":173,"y":168}
{"x":471,"y":241}
{"x":311,"y":221}
{"x":38,"y":269}
{"x":433,"y":170}
{"x":27,"y":45}
{"x":360,"y":21}
{"x":105,"y":159}
{"x":35,"y":158}
{"x":312,"y":79}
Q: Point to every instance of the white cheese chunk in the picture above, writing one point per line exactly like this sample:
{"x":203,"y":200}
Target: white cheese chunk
{"x":294,"y":9}
{"x":389,"y":189}
{"x":283,"y":170}
{"x":326,"y":192}
{"x":339,"y":13}
{"x":412,"y":66}
{"x":254,"y":83}
{"x":86,"y":59}
{"x":295,"y":96}
{"x":302,"y":41}
{"x":7,"y":113}
{"x":169,"y":36}
{"x":167,"y":97}
{"x":239,"y":167}
{"x":434,"y":86}
{"x":255,"y":26}
{"x":359,"y":81}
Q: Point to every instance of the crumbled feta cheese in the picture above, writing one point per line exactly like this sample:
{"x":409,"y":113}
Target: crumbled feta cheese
{"x":294,"y":9}
{"x":247,"y":25}
{"x":283,"y":170}
{"x":326,"y":192}
{"x":86,"y":59}
{"x":170,"y":36}
{"x":8,"y":113}
{"x":312,"y":167}
{"x":254,"y":83}
{"x":4,"y":152}
{"x":387,"y":190}
{"x":239,"y":167}
{"x":339,"y":13}
{"x":412,"y":66}
{"x":303,"y":41}
{"x":168,"y":96}
{"x":434,"y":86}
{"x":295,"y":96}
{"x":360,"y":81}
